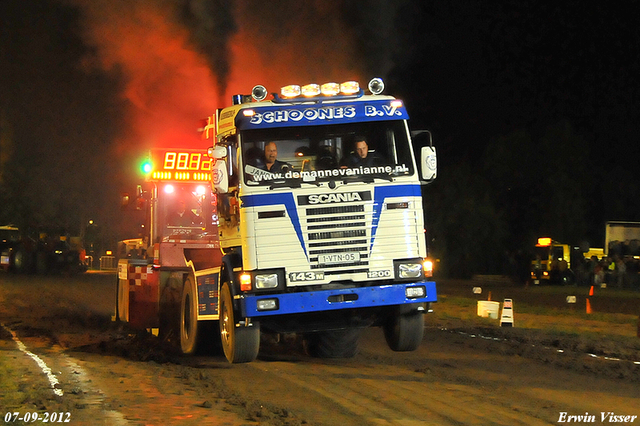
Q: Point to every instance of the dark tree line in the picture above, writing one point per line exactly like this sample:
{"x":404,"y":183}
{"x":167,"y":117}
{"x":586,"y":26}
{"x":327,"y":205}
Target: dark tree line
{"x":534,"y":110}
{"x":59,"y":118}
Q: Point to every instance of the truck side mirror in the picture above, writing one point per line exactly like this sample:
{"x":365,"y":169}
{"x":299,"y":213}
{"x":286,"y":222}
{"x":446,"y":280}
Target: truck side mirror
{"x":218,"y":152}
{"x":428,"y":163}
{"x":124,"y":200}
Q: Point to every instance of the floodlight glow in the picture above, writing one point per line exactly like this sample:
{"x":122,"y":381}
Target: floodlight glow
{"x":350,"y":87}
{"x":290,"y":91}
{"x":169,"y":189}
{"x":544,"y":241}
{"x":310,"y":90}
{"x":330,"y":89}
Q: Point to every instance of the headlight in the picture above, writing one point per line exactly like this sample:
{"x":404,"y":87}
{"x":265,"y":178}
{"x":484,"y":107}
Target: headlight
{"x":410,"y":270}
{"x":267,"y":304}
{"x":266,"y":281}
{"x":415,"y":292}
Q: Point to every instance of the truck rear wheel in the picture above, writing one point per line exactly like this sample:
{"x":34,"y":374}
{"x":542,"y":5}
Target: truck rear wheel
{"x":333,"y":343}
{"x":189,"y":318}
{"x":122,"y":302}
{"x":404,"y":330}
{"x":169,"y":311}
{"x":240,"y":344}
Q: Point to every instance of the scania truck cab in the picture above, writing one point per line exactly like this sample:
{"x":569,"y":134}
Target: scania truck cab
{"x":321,"y":221}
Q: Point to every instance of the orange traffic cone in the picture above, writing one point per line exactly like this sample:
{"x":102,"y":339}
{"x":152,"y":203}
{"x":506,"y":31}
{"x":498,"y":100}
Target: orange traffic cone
{"x":589,"y":311}
{"x":591,"y":291}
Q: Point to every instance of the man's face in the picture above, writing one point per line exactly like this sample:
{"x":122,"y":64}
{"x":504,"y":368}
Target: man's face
{"x":362,"y":149}
{"x":271,"y":152}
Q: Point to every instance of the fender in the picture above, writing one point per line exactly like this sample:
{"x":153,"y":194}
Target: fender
{"x":230,"y":261}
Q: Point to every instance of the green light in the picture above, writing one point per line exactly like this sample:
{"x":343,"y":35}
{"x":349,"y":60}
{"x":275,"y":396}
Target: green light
{"x":147,"y":167}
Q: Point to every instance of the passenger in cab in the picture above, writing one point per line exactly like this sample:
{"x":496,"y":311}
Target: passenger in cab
{"x":361,"y":156}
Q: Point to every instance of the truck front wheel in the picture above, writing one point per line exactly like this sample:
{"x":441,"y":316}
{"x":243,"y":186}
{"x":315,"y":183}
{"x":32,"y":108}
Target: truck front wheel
{"x":240,"y":344}
{"x":188,"y":318}
{"x":404,"y":329}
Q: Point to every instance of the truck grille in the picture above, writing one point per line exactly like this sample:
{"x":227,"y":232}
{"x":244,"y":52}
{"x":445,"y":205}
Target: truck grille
{"x":338,"y":230}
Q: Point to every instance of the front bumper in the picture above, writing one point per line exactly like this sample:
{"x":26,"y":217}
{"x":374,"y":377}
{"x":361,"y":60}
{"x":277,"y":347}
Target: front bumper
{"x":335,"y":299}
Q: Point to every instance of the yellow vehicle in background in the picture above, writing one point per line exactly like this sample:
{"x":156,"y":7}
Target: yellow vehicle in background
{"x":551,"y":263}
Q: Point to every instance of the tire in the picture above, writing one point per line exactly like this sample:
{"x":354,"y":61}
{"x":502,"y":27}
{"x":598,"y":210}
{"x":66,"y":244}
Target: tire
{"x":404,"y":329}
{"x":240,"y":344}
{"x":122,"y":303}
{"x":169,"y":311}
{"x":333,"y":343}
{"x":189,"y":318}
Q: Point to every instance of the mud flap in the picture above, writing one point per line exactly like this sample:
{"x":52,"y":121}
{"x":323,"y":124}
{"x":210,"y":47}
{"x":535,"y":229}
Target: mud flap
{"x":138,"y":294}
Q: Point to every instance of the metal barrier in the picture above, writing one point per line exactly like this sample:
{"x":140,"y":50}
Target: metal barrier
{"x":108,"y":263}
{"x":88,"y":262}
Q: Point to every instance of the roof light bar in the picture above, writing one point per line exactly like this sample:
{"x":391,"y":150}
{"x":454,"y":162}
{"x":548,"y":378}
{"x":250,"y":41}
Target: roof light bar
{"x":317,"y":93}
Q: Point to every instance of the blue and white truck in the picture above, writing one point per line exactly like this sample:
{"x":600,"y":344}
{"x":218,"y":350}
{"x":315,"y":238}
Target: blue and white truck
{"x":329,"y":238}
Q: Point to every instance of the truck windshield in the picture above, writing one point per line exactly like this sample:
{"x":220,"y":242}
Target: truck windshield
{"x":182,"y":211}
{"x":353,"y":151}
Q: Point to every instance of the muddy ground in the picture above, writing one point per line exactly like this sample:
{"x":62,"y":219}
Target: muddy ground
{"x":468,"y":370}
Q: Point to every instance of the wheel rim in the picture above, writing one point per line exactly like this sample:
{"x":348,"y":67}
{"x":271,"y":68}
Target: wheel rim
{"x":226,"y":331}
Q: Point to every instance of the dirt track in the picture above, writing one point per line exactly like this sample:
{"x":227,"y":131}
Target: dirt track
{"x":467,"y":371}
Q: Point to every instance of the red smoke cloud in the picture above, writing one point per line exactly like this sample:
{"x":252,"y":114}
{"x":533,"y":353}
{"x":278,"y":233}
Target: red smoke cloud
{"x":170,"y":87}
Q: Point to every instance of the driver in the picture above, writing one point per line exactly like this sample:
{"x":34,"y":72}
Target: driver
{"x":272,"y":164}
{"x":182,"y":216}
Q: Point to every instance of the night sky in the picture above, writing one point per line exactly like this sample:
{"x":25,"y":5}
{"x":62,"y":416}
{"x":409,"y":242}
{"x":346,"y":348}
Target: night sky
{"x":533,"y":105}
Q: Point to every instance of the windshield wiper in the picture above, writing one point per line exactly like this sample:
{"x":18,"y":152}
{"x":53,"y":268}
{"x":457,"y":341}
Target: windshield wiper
{"x":284,"y":184}
{"x":366,"y":178}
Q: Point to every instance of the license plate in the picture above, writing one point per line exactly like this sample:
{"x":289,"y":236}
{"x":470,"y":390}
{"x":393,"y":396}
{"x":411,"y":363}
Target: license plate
{"x":338,"y":258}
